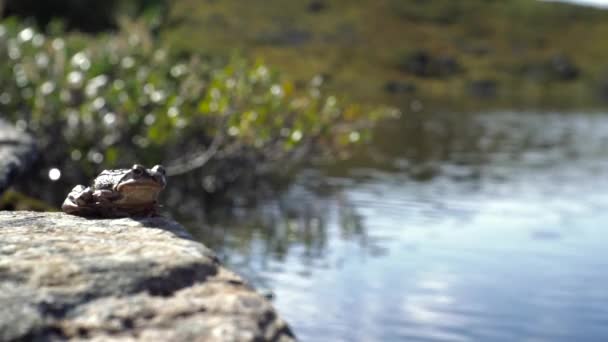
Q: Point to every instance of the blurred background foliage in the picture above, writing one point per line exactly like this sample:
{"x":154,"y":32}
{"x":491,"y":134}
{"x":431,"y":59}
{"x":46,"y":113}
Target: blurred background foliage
{"x":114,"y":98}
{"x":504,"y":53}
{"x":105,"y":83}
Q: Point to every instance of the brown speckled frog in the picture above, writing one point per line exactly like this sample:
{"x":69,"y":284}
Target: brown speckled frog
{"x":118,"y":193}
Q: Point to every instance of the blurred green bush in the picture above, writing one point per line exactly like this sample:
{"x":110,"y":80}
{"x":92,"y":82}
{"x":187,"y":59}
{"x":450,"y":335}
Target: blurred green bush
{"x":112,"y":100}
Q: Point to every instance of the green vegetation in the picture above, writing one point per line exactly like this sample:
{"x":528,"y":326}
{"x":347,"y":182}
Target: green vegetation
{"x":12,"y":200}
{"x":183,"y":84}
{"x":109,"y":100}
{"x":523,"y":51}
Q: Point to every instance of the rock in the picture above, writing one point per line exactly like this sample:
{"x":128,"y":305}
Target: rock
{"x":475,"y":48}
{"x":316,"y":6}
{"x":563,"y":68}
{"x":557,"y":68}
{"x":17,"y":152}
{"x":485,"y":89}
{"x":423,"y":64}
{"x":65,"y":277}
{"x":399,"y":87}
{"x":603,"y":89}
{"x":285,"y":37}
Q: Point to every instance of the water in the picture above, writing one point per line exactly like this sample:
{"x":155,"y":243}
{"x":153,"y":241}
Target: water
{"x":452,"y":227}
{"x":595,"y":3}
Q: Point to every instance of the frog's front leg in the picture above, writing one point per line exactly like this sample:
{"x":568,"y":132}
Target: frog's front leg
{"x":105,"y":196}
{"x":78,"y":200}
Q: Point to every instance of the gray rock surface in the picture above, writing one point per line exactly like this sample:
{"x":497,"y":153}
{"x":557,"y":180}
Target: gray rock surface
{"x":64,"y":277}
{"x":17,"y":152}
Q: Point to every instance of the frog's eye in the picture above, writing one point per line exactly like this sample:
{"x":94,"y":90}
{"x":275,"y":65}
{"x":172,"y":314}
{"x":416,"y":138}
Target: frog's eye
{"x":138,"y":170}
{"x":159,"y":169}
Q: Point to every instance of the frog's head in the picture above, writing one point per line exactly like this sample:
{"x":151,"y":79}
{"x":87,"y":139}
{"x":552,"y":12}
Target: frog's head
{"x":140,"y":185}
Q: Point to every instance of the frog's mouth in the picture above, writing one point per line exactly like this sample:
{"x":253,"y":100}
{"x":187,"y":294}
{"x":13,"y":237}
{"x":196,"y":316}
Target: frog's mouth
{"x":143,"y":184}
{"x":138,"y":192}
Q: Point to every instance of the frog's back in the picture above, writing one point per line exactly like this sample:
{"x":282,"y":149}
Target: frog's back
{"x":108,"y":178}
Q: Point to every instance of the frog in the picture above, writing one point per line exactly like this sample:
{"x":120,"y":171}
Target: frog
{"x":119,"y":193}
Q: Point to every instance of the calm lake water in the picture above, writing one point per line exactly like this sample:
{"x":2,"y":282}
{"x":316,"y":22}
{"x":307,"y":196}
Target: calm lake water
{"x":452,"y":227}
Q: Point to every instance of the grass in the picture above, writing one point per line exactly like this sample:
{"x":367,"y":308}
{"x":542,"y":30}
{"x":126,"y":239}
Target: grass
{"x":361,"y":44}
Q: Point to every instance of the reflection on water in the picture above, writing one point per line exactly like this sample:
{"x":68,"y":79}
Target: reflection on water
{"x":454,"y":227}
